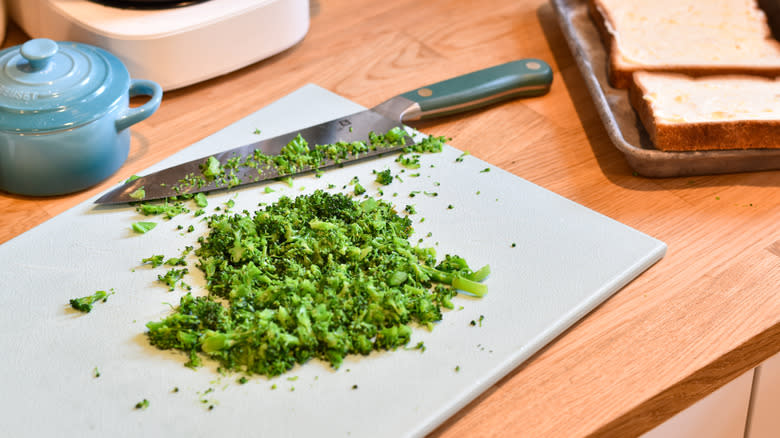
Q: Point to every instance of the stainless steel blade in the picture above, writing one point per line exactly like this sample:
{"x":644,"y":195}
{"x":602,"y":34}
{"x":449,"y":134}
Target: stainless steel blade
{"x":176,"y":180}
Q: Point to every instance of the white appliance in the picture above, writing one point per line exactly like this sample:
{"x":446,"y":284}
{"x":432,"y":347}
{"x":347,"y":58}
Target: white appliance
{"x":176,"y":46}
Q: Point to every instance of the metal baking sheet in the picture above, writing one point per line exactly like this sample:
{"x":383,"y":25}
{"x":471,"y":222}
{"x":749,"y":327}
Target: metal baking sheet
{"x":622,"y":123}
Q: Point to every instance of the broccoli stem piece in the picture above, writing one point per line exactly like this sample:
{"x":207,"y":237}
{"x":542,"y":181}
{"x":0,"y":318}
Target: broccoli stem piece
{"x":467,"y":282}
{"x":480,"y":274}
{"x":469,"y":286}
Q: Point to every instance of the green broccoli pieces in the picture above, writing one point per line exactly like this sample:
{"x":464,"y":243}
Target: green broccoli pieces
{"x":319,"y":276}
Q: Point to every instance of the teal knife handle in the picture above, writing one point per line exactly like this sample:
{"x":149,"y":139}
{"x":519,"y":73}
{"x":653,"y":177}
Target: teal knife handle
{"x":522,"y":78}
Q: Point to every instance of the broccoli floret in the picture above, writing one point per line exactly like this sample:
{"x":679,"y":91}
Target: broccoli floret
{"x":155,"y":260}
{"x":384,"y":177}
{"x":84,"y":304}
{"x":172,"y":276}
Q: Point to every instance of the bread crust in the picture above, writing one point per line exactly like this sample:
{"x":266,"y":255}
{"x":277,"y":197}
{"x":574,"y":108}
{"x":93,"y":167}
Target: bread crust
{"x":700,"y":136}
{"x":620,"y":75}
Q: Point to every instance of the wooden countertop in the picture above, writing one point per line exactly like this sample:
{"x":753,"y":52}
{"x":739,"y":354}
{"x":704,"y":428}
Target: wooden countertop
{"x":707,"y":312}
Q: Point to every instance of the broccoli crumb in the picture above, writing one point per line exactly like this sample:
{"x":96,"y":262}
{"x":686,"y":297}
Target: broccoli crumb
{"x":143,"y":404}
{"x":200,"y":200}
{"x":138,"y":194}
{"x":419,"y":346}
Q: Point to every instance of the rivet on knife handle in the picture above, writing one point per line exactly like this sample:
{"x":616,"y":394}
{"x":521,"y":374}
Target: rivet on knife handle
{"x":521,"y":78}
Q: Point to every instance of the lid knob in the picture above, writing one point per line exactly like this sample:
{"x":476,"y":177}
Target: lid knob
{"x":38,"y":52}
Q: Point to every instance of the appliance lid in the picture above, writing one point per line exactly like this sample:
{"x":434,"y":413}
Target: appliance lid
{"x":147,"y":4}
{"x":46,"y":86}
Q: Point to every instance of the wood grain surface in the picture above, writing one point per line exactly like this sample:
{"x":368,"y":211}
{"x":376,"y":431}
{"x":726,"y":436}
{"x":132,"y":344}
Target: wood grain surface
{"x":703,"y":315}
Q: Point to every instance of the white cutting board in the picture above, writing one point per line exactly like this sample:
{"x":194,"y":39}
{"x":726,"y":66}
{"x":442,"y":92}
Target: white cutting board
{"x":567,"y":259}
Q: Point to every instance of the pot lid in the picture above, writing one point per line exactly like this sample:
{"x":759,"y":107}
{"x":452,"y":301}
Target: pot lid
{"x":46,"y":86}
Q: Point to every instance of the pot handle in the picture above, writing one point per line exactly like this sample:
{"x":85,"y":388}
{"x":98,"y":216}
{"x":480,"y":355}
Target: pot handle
{"x":131,"y":116}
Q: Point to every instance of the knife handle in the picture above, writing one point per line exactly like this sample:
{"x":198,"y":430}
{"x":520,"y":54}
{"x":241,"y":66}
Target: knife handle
{"x":522,"y":78}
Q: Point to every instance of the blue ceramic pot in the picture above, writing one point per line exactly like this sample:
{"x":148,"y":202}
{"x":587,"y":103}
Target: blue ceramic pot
{"x":64,"y":114}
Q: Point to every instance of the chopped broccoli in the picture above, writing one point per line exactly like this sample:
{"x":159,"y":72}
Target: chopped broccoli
{"x":143,"y":404}
{"x":168,"y":209}
{"x":319,"y":276}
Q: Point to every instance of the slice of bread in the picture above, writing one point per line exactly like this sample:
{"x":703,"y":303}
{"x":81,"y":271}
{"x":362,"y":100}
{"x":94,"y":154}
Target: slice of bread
{"x":682,"y":113}
{"x":694,"y":37}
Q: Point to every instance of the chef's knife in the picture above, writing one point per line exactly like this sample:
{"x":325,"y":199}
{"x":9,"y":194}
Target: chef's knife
{"x":521,"y":78}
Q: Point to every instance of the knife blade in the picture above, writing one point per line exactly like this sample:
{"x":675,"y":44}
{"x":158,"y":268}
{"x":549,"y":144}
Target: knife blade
{"x":521,"y":78}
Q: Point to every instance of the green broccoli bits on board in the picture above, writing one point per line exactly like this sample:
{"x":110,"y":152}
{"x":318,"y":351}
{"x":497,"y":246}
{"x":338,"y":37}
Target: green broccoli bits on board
{"x":319,"y":276}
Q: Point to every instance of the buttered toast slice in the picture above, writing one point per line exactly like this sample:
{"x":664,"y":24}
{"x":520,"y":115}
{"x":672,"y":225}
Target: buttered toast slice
{"x":681,"y":113}
{"x":694,"y":37}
